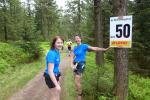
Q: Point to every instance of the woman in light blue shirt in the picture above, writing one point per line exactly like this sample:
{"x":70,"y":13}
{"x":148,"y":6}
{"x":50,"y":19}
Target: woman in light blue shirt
{"x":52,"y":73}
{"x":78,"y":58}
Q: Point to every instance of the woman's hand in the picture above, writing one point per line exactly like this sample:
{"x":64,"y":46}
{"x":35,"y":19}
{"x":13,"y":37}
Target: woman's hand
{"x":74,"y":66}
{"x":58,"y":88}
{"x":98,"y":48}
{"x":107,"y":48}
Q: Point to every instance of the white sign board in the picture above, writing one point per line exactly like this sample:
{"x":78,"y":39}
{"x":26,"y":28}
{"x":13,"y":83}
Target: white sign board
{"x":121,"y":31}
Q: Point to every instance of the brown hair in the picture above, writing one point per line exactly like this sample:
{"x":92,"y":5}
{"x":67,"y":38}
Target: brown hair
{"x":77,"y":35}
{"x":54,"y":40}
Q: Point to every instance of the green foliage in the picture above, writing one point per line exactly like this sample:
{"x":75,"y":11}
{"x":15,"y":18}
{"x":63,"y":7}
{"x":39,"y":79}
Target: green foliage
{"x":109,"y":55}
{"x":98,"y":82}
{"x":11,"y":55}
{"x":32,"y":48}
{"x":3,"y":65}
{"x":140,"y":54}
{"x":139,"y":61}
{"x":14,"y":79}
{"x":102,"y":98}
{"x":45,"y":46}
{"x":46,"y":18}
{"x":20,"y":21}
{"x":139,"y":87}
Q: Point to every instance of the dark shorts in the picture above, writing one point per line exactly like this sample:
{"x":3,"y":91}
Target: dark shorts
{"x":69,"y":48}
{"x":48,"y":80}
{"x":79,"y":68}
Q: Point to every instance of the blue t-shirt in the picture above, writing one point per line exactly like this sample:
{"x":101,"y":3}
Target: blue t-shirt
{"x":80,"y":52}
{"x":53,"y":56}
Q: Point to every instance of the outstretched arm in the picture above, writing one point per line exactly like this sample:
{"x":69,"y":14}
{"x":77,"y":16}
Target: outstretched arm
{"x":97,"y":48}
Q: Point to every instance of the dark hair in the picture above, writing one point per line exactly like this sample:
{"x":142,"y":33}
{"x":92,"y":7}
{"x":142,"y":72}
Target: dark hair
{"x":54,"y":40}
{"x":77,"y":35}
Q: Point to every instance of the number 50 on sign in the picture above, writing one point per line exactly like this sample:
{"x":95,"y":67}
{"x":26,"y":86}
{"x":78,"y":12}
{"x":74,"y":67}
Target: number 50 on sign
{"x":121,"y":32}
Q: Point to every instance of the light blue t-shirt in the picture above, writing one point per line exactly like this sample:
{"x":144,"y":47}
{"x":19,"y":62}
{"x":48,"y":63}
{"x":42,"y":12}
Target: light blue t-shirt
{"x":80,"y":52}
{"x":53,"y":56}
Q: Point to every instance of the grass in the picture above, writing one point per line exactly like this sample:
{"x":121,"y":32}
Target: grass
{"x":139,"y":87}
{"x":69,"y":92}
{"x":15,"y":79}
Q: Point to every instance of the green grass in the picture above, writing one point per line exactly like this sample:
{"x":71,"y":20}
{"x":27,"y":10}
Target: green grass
{"x":139,"y":87}
{"x":68,"y":86}
{"x":15,"y":79}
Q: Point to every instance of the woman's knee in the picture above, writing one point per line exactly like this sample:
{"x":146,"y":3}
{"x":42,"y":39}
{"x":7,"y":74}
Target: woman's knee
{"x":78,"y":77}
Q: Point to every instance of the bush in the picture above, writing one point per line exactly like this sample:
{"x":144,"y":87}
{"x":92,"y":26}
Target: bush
{"x":92,"y":76}
{"x":11,"y":55}
{"x":32,"y":48}
{"x":109,"y":55}
{"x":139,"y":59}
{"x":138,"y":86}
{"x":3,"y":65}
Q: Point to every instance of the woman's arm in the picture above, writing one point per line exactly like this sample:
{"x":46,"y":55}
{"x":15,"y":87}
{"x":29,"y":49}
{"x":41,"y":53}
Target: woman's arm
{"x":52,"y":76}
{"x":97,"y":48}
{"x":71,"y":58}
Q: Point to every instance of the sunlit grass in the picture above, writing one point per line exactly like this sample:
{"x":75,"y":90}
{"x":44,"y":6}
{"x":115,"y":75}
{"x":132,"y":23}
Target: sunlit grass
{"x":69,"y":92}
{"x":15,"y":79}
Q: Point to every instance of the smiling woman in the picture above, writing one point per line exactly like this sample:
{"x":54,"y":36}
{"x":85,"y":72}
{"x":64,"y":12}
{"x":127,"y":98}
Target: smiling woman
{"x":52,"y":73}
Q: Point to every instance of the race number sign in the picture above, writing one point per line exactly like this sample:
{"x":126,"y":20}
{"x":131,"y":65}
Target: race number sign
{"x":121,"y":31}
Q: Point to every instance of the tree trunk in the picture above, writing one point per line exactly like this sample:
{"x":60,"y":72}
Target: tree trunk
{"x":29,"y":8}
{"x":121,"y":58}
{"x":5,"y":21}
{"x":44,"y":22}
{"x":79,"y":17}
{"x":98,"y":31}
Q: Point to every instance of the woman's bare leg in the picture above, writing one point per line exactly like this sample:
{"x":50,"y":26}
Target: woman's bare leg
{"x":78,"y":86}
{"x":53,"y":94}
{"x":58,"y":92}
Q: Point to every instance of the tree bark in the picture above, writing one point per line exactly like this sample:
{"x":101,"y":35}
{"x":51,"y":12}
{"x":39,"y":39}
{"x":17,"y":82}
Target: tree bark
{"x":98,"y":31}
{"x":5,"y":21}
{"x":29,"y":8}
{"x":79,"y":17}
{"x":121,"y":58}
{"x":44,"y":21}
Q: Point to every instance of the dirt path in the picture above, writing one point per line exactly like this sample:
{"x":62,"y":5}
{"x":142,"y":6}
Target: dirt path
{"x":36,"y":88}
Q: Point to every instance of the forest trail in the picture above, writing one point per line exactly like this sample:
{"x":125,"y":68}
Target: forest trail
{"x":36,"y":89}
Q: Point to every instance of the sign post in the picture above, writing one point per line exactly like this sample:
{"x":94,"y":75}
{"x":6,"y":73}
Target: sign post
{"x":121,"y":32}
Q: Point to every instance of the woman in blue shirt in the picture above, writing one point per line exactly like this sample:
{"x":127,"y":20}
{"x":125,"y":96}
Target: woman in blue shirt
{"x":78,"y":57}
{"x":52,"y":73}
